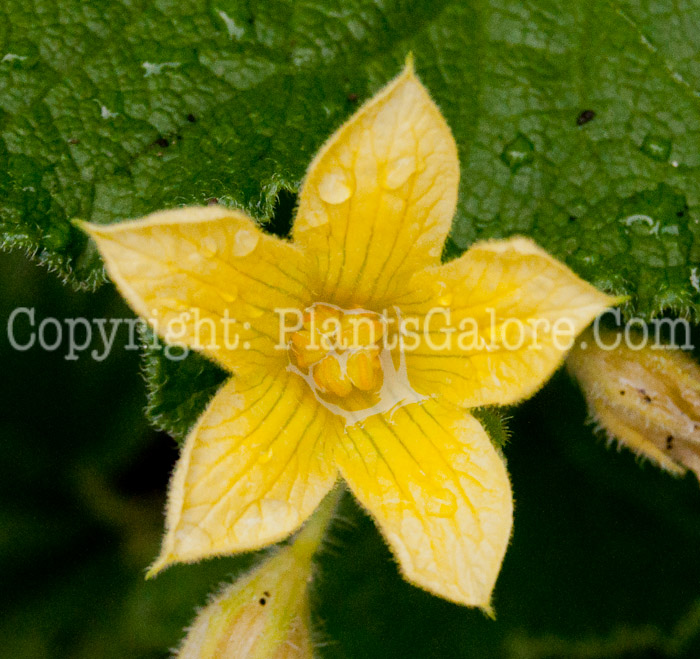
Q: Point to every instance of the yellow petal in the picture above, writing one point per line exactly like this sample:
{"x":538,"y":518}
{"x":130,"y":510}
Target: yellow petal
{"x":252,"y":470}
{"x":378,"y":199}
{"x":440,"y":494}
{"x":516,"y":312}
{"x":196,"y":270}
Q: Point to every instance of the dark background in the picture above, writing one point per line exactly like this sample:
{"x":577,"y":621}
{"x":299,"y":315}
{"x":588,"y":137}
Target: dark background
{"x":603,"y":560}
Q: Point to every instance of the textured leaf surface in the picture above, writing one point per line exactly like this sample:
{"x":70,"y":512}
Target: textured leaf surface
{"x":572,"y":123}
{"x":178,"y":390}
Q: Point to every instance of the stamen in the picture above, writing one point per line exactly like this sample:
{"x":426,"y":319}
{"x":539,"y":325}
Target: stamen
{"x":346,"y":359}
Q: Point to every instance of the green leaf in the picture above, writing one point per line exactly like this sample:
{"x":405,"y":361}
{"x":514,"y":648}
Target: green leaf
{"x":577,"y":125}
{"x":583,"y":136}
{"x":179,"y":385}
{"x":495,"y":422}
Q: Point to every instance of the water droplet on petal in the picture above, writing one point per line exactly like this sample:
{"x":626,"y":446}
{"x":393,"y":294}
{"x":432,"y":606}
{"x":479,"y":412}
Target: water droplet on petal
{"x":244,"y":242}
{"x":335,"y":188}
{"x":209,"y":246}
{"x":399,"y":171}
{"x":172,"y":304}
{"x":265,"y":456}
{"x":656,"y":147}
{"x":312,"y":221}
{"x":445,"y":300}
{"x":439,"y":288}
{"x":519,"y":152}
{"x":443,"y":504}
{"x":229,"y":294}
{"x":254,"y":312}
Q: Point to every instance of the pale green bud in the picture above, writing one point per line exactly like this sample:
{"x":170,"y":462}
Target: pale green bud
{"x":648,"y":399}
{"x":265,"y":614}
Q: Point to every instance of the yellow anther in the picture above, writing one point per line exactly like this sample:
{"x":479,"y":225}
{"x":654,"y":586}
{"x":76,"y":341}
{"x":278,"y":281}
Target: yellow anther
{"x":322,"y":318}
{"x":330,"y":378}
{"x":364,"y":369}
{"x":307,"y":350}
{"x":360,"y":331}
{"x":339,"y":349}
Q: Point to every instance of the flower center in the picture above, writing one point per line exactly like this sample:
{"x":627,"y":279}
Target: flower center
{"x":352,"y":360}
{"x":339,"y":350}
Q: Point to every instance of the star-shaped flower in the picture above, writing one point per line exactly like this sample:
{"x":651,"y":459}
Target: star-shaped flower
{"x":304,"y":408}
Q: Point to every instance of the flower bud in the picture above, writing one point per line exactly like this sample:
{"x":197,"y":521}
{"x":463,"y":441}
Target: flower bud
{"x":265,"y":614}
{"x":648,"y":399}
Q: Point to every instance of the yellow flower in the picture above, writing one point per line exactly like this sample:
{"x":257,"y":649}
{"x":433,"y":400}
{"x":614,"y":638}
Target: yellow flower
{"x":648,"y":398}
{"x":374,"y":210}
